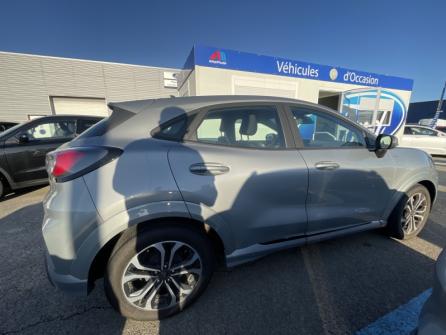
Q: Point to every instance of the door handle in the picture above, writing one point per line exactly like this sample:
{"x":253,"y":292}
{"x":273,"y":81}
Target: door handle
{"x":37,"y":153}
{"x":208,"y":169}
{"x":326,"y":165}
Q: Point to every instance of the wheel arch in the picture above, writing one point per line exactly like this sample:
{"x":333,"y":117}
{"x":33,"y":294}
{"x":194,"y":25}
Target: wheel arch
{"x":99,"y":263}
{"x":429,"y":184}
{"x":7,"y":178}
{"x":431,"y":188}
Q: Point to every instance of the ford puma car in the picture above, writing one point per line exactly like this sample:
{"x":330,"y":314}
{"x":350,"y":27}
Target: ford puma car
{"x":154,"y":196}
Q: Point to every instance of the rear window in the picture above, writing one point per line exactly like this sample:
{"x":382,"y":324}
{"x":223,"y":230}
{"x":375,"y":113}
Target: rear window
{"x":173,"y":130}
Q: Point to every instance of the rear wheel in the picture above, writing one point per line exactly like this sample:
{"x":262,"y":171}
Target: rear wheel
{"x":2,"y":187}
{"x":159,"y":272}
{"x":410,"y":215}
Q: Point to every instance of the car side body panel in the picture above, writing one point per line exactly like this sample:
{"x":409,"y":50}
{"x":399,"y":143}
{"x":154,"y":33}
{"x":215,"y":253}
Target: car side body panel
{"x":354,"y":193}
{"x":140,"y":176}
{"x":261,"y":197}
{"x":413,"y":166}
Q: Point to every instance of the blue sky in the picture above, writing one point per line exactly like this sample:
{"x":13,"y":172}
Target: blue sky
{"x":399,"y":38}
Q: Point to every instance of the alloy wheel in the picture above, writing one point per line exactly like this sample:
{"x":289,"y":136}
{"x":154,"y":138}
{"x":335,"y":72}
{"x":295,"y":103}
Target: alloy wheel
{"x":414,"y":212}
{"x":162,"y":275}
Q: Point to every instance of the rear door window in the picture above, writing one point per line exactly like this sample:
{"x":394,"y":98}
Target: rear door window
{"x":252,"y":127}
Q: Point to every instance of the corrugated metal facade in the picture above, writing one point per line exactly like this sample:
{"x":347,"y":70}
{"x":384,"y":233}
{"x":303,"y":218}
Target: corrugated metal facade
{"x":27,"y":82}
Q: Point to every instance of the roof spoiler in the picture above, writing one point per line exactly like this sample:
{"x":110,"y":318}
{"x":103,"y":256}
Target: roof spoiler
{"x":133,"y":107}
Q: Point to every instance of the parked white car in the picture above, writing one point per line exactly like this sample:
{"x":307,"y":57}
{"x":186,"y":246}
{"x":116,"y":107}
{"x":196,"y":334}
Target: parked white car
{"x":424,"y":138}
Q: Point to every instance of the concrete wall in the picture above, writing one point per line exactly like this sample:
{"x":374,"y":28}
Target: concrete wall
{"x":27,"y":82}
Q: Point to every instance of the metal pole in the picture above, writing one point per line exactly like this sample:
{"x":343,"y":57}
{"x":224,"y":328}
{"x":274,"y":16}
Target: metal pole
{"x":439,"y":108}
{"x":440,"y":102}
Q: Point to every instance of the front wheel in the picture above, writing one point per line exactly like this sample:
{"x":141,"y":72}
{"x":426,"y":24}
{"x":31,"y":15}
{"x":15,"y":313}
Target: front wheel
{"x":410,"y":214}
{"x":159,"y":272}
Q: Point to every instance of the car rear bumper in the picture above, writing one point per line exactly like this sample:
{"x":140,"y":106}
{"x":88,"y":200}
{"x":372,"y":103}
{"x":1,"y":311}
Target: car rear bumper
{"x":64,"y":282}
{"x":69,"y":219}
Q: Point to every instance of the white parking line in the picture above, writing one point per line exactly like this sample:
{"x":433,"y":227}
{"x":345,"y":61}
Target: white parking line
{"x":401,"y":321}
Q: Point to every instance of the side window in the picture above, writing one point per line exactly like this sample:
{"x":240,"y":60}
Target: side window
{"x":52,"y":130}
{"x":84,"y":124}
{"x":174,"y":130}
{"x":407,"y":131}
{"x":319,"y":130}
{"x":423,"y":131}
{"x":427,"y":132}
{"x":253,"y":127}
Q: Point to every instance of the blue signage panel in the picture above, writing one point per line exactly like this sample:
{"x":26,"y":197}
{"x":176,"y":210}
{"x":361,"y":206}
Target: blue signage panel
{"x":244,"y":61}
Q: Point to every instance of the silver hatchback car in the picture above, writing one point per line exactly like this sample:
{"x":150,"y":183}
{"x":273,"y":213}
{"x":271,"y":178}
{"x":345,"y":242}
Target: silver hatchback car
{"x":153,"y":197}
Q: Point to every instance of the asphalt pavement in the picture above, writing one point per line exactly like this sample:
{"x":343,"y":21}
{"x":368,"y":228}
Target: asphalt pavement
{"x":334,"y":287}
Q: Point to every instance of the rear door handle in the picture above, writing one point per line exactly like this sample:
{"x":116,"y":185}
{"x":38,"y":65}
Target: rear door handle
{"x":208,"y":169}
{"x":326,"y":165}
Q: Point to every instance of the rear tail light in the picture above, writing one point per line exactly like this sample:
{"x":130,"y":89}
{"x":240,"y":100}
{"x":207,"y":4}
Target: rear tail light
{"x":68,"y":164}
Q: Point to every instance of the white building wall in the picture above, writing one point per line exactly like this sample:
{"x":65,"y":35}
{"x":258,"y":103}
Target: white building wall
{"x":215,"y":81}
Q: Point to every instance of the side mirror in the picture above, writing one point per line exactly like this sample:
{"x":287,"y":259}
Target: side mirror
{"x":385,"y":142}
{"x":23,"y":138}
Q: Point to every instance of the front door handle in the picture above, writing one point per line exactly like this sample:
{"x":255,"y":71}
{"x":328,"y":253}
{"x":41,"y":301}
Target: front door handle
{"x":208,"y":169}
{"x":326,"y":165}
{"x":38,"y":153}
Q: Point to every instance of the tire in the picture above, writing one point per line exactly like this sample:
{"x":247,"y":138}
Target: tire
{"x":2,"y":188}
{"x":134,"y":297}
{"x":398,"y":225}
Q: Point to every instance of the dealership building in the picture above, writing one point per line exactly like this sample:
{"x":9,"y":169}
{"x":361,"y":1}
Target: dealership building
{"x":31,"y":86}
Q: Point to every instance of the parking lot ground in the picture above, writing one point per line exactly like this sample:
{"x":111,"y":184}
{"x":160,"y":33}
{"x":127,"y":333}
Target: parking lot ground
{"x":334,"y":287}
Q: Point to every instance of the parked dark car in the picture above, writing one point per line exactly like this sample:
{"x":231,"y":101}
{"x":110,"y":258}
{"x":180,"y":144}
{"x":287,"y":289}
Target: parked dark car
{"x":6,"y":125}
{"x":23,"y":148}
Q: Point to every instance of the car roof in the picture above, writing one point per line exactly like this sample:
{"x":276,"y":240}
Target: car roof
{"x":70,"y":116}
{"x":416,"y":125}
{"x":194,"y":102}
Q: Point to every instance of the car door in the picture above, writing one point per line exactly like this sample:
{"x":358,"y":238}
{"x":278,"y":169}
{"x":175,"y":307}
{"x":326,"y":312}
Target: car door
{"x":428,"y":140}
{"x":239,"y":168}
{"x":26,"y":150}
{"x":406,"y":139}
{"x":348,"y":184}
